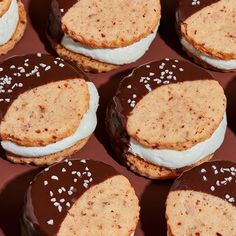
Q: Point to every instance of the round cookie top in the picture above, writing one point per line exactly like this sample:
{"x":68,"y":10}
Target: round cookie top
{"x":108,"y":24}
{"x":39,"y":90}
{"x":54,"y":191}
{"x":170,"y":104}
{"x":209,"y":26}
{"x":217,"y":178}
{"x":4,"y":6}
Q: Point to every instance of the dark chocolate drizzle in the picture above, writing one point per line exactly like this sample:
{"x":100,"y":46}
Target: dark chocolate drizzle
{"x":54,"y":191}
{"x":187,"y":8}
{"x":217,"y":178}
{"x":148,"y":77}
{"x":22,"y":73}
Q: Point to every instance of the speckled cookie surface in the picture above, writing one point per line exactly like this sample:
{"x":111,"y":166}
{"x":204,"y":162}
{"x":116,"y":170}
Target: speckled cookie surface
{"x":81,"y":197}
{"x":109,"y":24}
{"x":170,"y":97}
{"x":19,"y":30}
{"x":4,"y":5}
{"x":209,"y":26}
{"x":202,"y":201}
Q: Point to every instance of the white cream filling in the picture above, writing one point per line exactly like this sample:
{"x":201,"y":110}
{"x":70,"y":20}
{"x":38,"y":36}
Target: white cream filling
{"x":86,"y":128}
{"x":177,"y":159}
{"x":8,"y":22}
{"x":217,"y":63}
{"x":116,"y":56}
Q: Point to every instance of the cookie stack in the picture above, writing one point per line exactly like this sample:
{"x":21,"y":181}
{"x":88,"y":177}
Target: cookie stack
{"x":12,"y":24}
{"x":48,"y":109}
{"x":166,"y":117}
{"x":102,"y":35}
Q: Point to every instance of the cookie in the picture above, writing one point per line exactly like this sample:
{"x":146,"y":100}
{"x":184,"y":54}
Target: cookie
{"x":202,"y":201}
{"x":207,"y":32}
{"x":166,"y":117}
{"x":12,"y":24}
{"x":48,"y":109}
{"x":80,"y":197}
{"x":101,"y":36}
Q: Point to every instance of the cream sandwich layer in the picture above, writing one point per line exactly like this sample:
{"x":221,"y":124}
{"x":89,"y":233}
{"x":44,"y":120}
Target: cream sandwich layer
{"x":116,"y":56}
{"x":85,"y":129}
{"x":177,"y":159}
{"x":8,"y":22}
{"x":217,"y":63}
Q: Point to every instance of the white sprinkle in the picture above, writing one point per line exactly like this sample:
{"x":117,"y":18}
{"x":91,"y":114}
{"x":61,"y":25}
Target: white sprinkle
{"x":148,"y":66}
{"x":61,"y":65}
{"x":134,"y":96}
{"x":69,"y":163}
{"x":147,"y":86}
{"x":50,"y":222}
{"x":203,"y":171}
{"x":63,"y":189}
{"x":78,"y":174}
{"x":75,"y":180}
{"x":89,"y":174}
{"x":59,"y":191}
{"x":56,"y":204}
{"x":1,"y":69}
{"x":47,"y":68}
{"x":73,"y":172}
{"x":167,"y":59}
{"x":181,"y":69}
{"x":46,"y":169}
{"x":54,"y":177}
{"x":216,"y":172}
{"x":176,"y":60}
{"x":174,"y":66}
{"x":86,"y":181}
{"x":59,"y":208}
{"x":91,"y":179}
{"x":45,"y":182}
{"x":214,"y":167}
{"x":63,"y":170}
{"x":83,"y":161}
{"x":68,"y":204}
{"x":53,"y":199}
{"x":70,"y":192}
{"x":227,"y":196}
{"x":212,"y":188}
{"x":204,"y":178}
{"x":39,"y":54}
{"x":62,"y":200}
{"x":12,"y":67}
{"x":51,"y":193}
{"x":42,"y":65}
{"x":151,"y":74}
{"x":218,"y":183}
{"x":62,"y":10}
{"x":129,"y":86}
{"x":85,"y":185}
{"x":86,"y":168}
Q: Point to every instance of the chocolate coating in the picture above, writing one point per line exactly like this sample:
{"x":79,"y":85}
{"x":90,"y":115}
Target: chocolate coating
{"x":148,"y":77}
{"x":54,"y":191}
{"x":65,"y":5}
{"x":187,"y":8}
{"x":217,"y":178}
{"x":22,"y":73}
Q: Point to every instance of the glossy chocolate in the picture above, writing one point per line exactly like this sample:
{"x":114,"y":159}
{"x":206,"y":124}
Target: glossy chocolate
{"x":217,"y":178}
{"x":65,"y":5}
{"x":187,"y":8}
{"x":148,"y":77}
{"x":23,"y":73}
{"x":54,"y":191}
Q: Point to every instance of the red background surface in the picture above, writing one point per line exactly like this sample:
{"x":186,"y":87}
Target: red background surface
{"x":14,"y":179}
